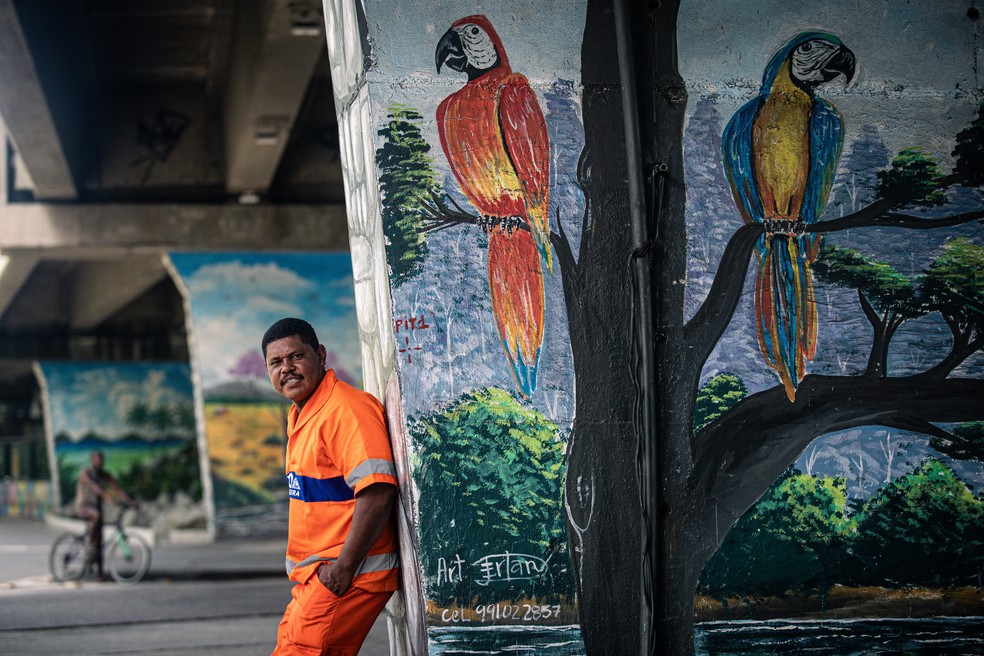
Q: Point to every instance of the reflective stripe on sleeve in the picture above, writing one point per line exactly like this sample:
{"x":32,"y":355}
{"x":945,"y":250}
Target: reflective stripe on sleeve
{"x":377,"y":563}
{"x":370,"y":466}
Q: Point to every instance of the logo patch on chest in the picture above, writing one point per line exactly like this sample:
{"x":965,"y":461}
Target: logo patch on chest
{"x":310,"y":489}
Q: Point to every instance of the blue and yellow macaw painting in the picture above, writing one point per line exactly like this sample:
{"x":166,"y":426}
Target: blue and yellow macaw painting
{"x":780,"y":155}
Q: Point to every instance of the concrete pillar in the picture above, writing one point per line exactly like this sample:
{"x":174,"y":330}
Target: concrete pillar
{"x":464,"y":330}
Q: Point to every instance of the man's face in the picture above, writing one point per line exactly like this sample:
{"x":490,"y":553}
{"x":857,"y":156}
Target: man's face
{"x":295,"y":368}
{"x":96,"y":460}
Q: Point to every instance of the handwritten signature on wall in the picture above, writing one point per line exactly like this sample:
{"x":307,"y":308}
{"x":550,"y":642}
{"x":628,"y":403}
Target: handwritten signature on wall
{"x":492,"y":568}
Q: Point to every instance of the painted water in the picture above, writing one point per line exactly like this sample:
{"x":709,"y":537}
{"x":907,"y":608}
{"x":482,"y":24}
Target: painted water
{"x":511,"y":640}
{"x":934,"y":636}
{"x":937,"y":636}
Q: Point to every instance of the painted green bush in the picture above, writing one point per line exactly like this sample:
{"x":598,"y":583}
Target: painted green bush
{"x":791,"y":540}
{"x":924,"y":528}
{"x":490,"y":474}
{"x":717,"y":396}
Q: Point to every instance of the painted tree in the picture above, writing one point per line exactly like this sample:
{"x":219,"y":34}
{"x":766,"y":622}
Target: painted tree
{"x":692,"y":484}
{"x":138,"y":415}
{"x":927,"y":525}
{"x":648,"y":497}
{"x":922,"y":529}
{"x":968,"y":445}
{"x":866,"y":155}
{"x":162,"y":419}
{"x":792,"y":539}
{"x":887,"y":297}
{"x":250,"y":368}
{"x":406,"y":180}
{"x":716,"y":397}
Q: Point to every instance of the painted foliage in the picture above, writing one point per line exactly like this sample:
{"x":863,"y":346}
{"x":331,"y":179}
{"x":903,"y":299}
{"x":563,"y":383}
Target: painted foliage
{"x":476,"y":169}
{"x":856,"y":209}
{"x":140,"y":415}
{"x":233,"y":298}
{"x":888,"y":310}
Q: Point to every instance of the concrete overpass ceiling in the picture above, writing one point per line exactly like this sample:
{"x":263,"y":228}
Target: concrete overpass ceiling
{"x":137,"y":128}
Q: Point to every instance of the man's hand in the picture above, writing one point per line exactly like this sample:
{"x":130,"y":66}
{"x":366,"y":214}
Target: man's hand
{"x":373,"y":509}
{"x":336,"y":578}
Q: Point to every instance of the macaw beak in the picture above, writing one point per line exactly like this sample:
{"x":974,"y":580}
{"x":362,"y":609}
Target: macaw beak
{"x":451,"y":52}
{"x":842,"y":63}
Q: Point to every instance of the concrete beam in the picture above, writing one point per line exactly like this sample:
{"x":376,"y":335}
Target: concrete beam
{"x":27,"y":115}
{"x":13,"y":275}
{"x":93,"y":231}
{"x":100,"y":289}
{"x":276,"y":47}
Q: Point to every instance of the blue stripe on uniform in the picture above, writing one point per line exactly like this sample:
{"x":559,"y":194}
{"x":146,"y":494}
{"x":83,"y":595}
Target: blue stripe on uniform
{"x":306,"y":488}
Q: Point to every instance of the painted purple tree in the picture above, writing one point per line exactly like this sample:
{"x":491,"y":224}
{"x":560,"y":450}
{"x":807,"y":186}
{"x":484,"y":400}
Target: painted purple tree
{"x":251,"y":369}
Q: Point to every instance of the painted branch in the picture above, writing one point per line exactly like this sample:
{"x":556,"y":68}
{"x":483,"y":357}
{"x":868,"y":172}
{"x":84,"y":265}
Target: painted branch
{"x":862,"y":219}
{"x":963,"y":347}
{"x":707,"y":325}
{"x":746,"y":449}
{"x":711,"y":320}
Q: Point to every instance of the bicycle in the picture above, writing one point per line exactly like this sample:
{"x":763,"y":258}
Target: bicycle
{"x":125,"y":555}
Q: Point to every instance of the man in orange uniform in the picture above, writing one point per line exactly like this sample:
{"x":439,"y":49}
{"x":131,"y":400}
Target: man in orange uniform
{"x":341,"y":544}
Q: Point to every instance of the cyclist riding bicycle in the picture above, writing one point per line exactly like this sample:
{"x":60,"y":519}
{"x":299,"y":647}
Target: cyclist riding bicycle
{"x":96,"y":484}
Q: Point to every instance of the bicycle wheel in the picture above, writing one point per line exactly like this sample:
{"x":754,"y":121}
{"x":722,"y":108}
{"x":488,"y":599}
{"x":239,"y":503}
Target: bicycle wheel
{"x":67,"y":559}
{"x":128,"y":558}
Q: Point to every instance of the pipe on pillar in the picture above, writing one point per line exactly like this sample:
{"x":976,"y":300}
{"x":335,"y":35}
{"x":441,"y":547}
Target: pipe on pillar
{"x":642,"y":324}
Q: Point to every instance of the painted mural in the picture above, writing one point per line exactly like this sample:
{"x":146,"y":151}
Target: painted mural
{"x":471,"y":187}
{"x":141,"y":415}
{"x":25,"y":499}
{"x":857,"y":177}
{"x":232,"y":298}
{"x":772,"y":441}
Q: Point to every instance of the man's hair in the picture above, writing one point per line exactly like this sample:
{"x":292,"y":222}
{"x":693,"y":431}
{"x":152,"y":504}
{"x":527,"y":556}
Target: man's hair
{"x":288,"y":328}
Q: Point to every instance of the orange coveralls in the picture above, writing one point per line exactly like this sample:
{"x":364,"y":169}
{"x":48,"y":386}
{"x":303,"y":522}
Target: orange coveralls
{"x":336,"y":447}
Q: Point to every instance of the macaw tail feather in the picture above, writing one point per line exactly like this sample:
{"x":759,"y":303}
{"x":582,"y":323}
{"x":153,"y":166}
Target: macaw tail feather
{"x":516,"y":288}
{"x":543,"y":246}
{"x":785,"y":308}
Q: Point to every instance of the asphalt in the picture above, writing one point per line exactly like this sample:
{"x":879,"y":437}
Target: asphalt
{"x":24,"y":548}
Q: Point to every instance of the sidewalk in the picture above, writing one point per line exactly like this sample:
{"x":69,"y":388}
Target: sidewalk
{"x":24,"y":548}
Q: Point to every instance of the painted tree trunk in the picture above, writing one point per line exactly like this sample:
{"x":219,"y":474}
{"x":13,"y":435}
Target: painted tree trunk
{"x":604,"y":521}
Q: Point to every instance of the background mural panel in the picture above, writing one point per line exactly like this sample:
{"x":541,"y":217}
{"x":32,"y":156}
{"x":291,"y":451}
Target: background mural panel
{"x":141,"y":415}
{"x":233,"y":298}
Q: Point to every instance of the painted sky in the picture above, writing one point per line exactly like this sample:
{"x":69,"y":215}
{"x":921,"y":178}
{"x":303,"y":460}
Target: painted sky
{"x":235,"y":297}
{"x":543,"y":43}
{"x":915,"y":75}
{"x":86,"y":397}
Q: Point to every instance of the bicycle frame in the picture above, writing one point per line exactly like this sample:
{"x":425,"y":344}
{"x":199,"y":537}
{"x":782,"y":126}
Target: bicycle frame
{"x":127,"y":556}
